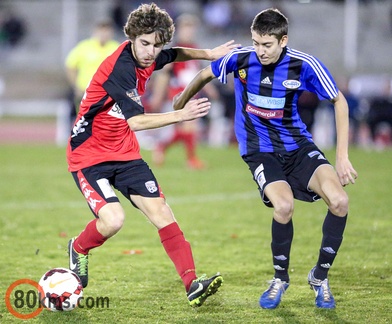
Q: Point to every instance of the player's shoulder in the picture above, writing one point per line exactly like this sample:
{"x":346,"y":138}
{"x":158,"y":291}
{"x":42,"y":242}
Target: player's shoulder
{"x":235,"y":53}
{"x":299,"y":55}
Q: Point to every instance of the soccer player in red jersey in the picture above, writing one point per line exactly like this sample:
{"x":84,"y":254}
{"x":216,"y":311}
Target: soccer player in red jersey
{"x":103,"y":152}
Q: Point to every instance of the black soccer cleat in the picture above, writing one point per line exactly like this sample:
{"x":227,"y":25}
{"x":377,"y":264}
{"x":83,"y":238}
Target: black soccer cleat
{"x":203,"y":287}
{"x":78,"y":263}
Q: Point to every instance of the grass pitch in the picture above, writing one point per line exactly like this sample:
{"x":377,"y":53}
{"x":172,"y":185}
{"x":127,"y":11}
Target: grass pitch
{"x":222,"y":216}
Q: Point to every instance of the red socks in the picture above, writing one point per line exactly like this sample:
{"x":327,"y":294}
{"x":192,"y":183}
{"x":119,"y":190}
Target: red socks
{"x":90,"y":238}
{"x":179,"y":251}
{"x":173,"y":240}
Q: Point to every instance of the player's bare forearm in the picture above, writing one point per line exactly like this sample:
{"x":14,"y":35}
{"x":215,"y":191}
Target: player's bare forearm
{"x":199,"y":81}
{"x":185,"y":54}
{"x":193,"y":109}
{"x":346,"y":173}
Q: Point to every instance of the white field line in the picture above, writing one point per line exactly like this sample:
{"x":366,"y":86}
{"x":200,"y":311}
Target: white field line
{"x":180,"y":200}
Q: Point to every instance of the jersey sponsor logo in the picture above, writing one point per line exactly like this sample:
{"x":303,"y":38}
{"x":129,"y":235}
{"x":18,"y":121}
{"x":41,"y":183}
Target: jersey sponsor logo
{"x":116,"y":112}
{"x":266,"y":80}
{"x":134,"y":95}
{"x":151,"y":186}
{"x":291,"y":84}
{"x":264,"y":113}
{"x":266,"y":102}
{"x":79,"y":127}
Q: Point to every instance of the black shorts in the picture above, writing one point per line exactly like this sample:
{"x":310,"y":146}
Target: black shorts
{"x":129,"y":177}
{"x":296,"y":168}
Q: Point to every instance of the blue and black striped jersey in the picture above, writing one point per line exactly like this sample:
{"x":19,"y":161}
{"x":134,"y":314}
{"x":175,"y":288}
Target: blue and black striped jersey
{"x":266,"y":117}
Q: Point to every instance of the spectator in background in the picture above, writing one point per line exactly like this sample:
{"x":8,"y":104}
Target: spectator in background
{"x":84,"y":59}
{"x":379,"y":117}
{"x":307,"y":106}
{"x":217,"y":15}
{"x":172,"y":80}
{"x":12,"y":28}
{"x":354,"y":113}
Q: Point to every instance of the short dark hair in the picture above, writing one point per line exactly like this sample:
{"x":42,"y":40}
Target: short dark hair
{"x":271,"y":22}
{"x":147,"y":19}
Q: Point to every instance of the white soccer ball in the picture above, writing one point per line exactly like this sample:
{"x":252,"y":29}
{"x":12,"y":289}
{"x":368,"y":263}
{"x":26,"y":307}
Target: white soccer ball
{"x":61,"y":289}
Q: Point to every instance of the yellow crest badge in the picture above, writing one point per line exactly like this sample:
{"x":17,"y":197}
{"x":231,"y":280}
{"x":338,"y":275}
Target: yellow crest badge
{"x":242,"y":74}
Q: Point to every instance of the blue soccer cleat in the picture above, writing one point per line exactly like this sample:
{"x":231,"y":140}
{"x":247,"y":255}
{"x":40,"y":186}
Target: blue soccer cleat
{"x":324,"y":298}
{"x":271,"y":298}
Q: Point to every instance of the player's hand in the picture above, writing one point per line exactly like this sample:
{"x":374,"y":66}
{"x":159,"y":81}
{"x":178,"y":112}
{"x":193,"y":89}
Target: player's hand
{"x":346,"y":172}
{"x":222,"y":50}
{"x":195,"y":108}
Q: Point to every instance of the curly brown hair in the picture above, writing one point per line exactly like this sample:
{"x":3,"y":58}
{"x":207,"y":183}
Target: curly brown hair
{"x":147,"y":19}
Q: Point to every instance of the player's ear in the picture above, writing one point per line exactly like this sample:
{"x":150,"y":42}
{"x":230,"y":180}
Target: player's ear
{"x":284,"y":40}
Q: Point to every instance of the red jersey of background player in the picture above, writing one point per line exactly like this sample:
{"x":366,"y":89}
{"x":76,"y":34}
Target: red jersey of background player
{"x":182,"y":73}
{"x":101,"y":132}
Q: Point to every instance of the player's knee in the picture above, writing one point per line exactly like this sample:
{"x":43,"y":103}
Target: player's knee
{"x":339,"y":204}
{"x":111,"y":222}
{"x":283,"y":210}
{"x":115,"y":225}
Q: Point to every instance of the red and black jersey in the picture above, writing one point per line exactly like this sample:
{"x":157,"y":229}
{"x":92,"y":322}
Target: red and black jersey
{"x":101,"y":132}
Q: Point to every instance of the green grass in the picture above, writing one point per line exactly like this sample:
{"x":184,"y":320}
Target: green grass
{"x":222,"y":216}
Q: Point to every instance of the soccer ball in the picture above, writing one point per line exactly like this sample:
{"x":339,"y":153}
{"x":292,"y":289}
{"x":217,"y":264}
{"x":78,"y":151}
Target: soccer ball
{"x":62,"y":290}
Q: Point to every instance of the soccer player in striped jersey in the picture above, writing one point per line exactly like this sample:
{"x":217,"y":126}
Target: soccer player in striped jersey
{"x":285,"y":163}
{"x":103,"y":152}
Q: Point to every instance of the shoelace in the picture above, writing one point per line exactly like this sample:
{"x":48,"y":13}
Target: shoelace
{"x":201,"y":278}
{"x":326,"y":292}
{"x":82,"y":264}
{"x":274,"y":289}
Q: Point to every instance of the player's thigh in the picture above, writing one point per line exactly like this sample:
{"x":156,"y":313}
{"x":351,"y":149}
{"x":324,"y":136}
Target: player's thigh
{"x":326,"y":184}
{"x":156,"y":210}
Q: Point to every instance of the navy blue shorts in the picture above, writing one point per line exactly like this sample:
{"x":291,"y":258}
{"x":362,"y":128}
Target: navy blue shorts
{"x":295,"y":167}
{"x":129,"y":177}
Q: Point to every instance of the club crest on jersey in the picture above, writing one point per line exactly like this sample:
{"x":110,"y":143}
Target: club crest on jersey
{"x":291,"y":84}
{"x":134,"y":95}
{"x":242,"y":74}
{"x":151,"y":186}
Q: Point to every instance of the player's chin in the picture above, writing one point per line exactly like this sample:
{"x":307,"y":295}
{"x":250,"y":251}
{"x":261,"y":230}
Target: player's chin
{"x":146,"y":63}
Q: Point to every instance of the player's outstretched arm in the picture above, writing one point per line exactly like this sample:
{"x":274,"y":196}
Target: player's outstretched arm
{"x":185,"y":54}
{"x":199,"y":81}
{"x":196,"y":108}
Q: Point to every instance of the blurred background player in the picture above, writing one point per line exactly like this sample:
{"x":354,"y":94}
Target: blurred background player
{"x":84,"y":59}
{"x":167,"y":84}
